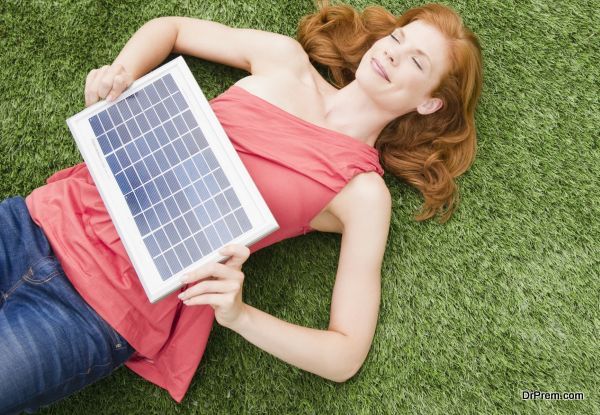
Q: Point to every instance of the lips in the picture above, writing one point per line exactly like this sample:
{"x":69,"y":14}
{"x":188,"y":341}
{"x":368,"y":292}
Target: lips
{"x":379,"y":69}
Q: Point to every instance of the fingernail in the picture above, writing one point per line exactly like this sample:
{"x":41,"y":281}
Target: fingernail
{"x":181,"y":295}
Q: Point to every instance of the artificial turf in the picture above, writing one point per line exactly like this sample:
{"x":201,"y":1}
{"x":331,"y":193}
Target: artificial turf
{"x":503,"y":298}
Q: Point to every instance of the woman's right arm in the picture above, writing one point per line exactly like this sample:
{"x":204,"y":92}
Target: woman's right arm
{"x":251,"y":50}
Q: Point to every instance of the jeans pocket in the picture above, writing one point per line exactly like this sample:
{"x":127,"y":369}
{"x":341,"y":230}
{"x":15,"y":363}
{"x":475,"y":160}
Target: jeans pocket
{"x":38,"y":273}
{"x":43,"y":270}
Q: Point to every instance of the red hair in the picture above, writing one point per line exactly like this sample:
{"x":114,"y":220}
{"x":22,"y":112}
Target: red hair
{"x":425,"y":151}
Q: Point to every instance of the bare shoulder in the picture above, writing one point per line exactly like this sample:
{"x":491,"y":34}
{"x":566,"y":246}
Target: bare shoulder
{"x":366,"y":198}
{"x":278,"y":53}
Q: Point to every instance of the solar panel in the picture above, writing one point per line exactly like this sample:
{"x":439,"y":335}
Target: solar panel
{"x":171,"y":180}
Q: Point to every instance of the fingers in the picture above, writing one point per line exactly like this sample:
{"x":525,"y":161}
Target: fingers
{"x":90,"y":97}
{"x":106,"y":82}
{"x":92,"y":92}
{"x":213,"y":269}
{"x":232,"y":268}
{"x":120,"y":83}
{"x":118,"y":79}
{"x":211,"y":287}
{"x":217,"y":300}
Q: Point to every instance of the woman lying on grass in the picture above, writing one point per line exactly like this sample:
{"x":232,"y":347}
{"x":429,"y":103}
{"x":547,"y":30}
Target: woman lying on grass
{"x":72,"y":309}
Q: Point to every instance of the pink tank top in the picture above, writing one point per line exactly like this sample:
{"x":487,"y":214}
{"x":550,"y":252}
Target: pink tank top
{"x":298,"y":168}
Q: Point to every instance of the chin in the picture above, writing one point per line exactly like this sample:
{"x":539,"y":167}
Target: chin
{"x":368,"y":82}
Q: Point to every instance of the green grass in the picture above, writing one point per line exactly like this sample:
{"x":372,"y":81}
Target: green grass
{"x":503,"y":298}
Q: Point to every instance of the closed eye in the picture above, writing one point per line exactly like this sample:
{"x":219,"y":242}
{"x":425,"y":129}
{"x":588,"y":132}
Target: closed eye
{"x":414,"y":60}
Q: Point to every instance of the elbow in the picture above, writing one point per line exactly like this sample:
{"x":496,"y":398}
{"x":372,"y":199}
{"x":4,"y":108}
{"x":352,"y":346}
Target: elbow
{"x":346,"y":373}
{"x":347,"y":360}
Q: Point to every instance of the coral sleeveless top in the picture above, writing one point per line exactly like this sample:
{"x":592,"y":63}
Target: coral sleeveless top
{"x":298,"y":168}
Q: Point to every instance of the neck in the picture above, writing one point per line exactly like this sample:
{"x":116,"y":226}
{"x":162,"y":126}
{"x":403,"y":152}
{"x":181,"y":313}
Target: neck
{"x":351,"y":111}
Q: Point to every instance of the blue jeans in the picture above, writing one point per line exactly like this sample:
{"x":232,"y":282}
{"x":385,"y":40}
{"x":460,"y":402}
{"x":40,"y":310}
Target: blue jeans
{"x":52,"y":343}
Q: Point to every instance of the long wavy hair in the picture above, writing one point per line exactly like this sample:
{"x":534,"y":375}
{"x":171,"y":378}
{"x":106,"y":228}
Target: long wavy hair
{"x":425,"y":151}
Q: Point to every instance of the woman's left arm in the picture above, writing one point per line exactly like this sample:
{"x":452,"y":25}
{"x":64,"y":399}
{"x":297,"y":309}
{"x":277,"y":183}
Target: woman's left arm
{"x":339,"y":352}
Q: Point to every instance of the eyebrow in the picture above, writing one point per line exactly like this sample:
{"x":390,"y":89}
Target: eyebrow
{"x":419,"y":51}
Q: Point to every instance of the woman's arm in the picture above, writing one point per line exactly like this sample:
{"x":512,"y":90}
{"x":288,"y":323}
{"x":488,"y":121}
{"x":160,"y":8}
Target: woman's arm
{"x":325,"y":353}
{"x":249,"y":49}
{"x":254,"y":51}
{"x":364,"y":207}
{"x":337,"y":353}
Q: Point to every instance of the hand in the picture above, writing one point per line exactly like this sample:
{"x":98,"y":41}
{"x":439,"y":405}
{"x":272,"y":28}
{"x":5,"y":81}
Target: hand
{"x":220,"y":285}
{"x":106,"y":82}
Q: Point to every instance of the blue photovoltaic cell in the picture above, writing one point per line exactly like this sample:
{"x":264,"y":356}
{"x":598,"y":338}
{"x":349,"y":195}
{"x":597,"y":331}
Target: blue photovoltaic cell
{"x":178,"y":195}
{"x":180,"y":101}
{"x":143,"y":147}
{"x":113,"y":137}
{"x":104,"y":144}
{"x":96,"y":126}
{"x":115,"y":115}
{"x":152,"y":245}
{"x":161,"y":89}
{"x":124,"y":109}
{"x":133,"y":104}
{"x":113,"y":163}
{"x":105,"y":120}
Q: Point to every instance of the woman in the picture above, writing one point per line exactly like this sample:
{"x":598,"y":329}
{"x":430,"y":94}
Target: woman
{"x":408,"y":88}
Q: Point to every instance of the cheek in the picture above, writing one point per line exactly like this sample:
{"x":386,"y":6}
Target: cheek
{"x":418,"y":84}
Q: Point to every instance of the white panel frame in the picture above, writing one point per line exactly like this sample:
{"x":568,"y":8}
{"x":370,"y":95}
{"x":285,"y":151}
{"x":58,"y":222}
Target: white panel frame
{"x":259,"y":214}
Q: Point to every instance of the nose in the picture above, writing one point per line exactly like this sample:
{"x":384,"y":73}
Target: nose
{"x":393,"y":54}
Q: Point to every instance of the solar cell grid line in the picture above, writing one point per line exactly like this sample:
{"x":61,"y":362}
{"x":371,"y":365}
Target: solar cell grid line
{"x":113,"y":138}
{"x":161,"y":89}
{"x":142,"y":123}
{"x":224,"y":235}
{"x":134,"y":106}
{"x":152,"y":117}
{"x":143,"y":98}
{"x":233,"y":225}
{"x":152,"y":218}
{"x":132,"y":127}
{"x":124,"y":110}
{"x":105,"y":121}
{"x":172,"y":109}
{"x":180,"y":101}
{"x":142,"y":198}
{"x":170,"y":130}
{"x":135,"y":126}
{"x":115,"y":115}
{"x":222,"y":204}
{"x":104,"y":142}
{"x":143,"y":147}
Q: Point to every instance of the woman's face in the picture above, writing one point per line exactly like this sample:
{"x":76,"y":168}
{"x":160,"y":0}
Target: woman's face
{"x":414,"y":58}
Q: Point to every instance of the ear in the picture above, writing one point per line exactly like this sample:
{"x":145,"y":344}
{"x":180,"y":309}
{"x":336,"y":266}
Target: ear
{"x":430,"y":106}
